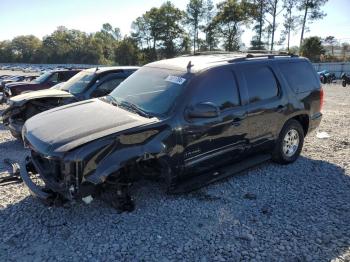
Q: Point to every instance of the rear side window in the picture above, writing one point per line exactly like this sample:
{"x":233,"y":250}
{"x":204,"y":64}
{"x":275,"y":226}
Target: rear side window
{"x":218,"y":86}
{"x":300,"y":76}
{"x":66,"y":75}
{"x":261,"y":83}
{"x":107,"y":86}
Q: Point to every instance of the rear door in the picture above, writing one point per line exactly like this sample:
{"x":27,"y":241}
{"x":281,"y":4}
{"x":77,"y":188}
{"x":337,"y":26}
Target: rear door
{"x":209,"y":142}
{"x":266,"y":104}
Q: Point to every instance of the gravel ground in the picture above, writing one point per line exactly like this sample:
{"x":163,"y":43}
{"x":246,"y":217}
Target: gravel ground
{"x":299,"y":212}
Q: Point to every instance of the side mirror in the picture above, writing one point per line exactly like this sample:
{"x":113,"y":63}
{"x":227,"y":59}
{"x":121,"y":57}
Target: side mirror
{"x":203,"y":110}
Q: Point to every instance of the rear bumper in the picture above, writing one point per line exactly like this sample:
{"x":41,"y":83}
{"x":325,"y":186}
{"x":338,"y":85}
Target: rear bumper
{"x":315,"y":121}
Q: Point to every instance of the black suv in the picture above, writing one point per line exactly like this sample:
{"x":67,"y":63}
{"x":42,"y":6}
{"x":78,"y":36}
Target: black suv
{"x":89,"y":83}
{"x":188,"y":121}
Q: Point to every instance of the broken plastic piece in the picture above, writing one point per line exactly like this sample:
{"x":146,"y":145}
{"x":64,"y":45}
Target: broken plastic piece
{"x":87,"y":200}
{"x":322,"y":135}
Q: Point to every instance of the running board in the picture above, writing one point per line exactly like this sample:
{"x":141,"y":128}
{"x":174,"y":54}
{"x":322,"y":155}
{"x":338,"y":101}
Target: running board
{"x":205,"y":179}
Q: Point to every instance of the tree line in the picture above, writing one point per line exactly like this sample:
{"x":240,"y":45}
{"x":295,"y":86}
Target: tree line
{"x":167,"y":31}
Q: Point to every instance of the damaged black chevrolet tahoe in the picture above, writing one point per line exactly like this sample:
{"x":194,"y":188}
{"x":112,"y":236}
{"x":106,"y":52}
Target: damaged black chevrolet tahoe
{"x":189,"y":121}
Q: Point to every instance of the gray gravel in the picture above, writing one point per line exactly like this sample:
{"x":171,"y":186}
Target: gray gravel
{"x":299,"y":212}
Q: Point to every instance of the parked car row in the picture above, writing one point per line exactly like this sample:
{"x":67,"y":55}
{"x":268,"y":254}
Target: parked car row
{"x":86,"y":84}
{"x":38,"y":68}
{"x":187,"y":121}
{"x":5,"y":79}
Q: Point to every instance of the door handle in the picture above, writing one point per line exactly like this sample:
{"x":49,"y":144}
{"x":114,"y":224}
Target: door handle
{"x":280,"y":108}
{"x":237,"y":121}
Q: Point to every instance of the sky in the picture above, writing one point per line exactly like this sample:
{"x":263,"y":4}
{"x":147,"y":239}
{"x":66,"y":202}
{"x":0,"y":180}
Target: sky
{"x":42,"y":17}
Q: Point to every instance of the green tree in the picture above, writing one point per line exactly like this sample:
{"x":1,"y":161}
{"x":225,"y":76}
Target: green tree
{"x":261,"y":11}
{"x":108,"y":38}
{"x":6,"y":55}
{"x":274,"y":12}
{"x":194,"y":15}
{"x":161,"y":30}
{"x":290,"y":21}
{"x":146,"y":30}
{"x":331,"y":41}
{"x":231,"y":16}
{"x":211,"y":38}
{"x":171,"y":29}
{"x":25,"y":48}
{"x":112,"y":32}
{"x":312,"y":48}
{"x":312,"y":11}
{"x":127,"y":52}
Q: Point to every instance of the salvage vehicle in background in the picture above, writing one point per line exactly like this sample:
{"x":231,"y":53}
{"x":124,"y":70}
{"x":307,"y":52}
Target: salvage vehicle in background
{"x":188,"y":121}
{"x":44,"y":81}
{"x":16,"y":78}
{"x":326,"y":77}
{"x":345,"y":79}
{"x":90,"y":83}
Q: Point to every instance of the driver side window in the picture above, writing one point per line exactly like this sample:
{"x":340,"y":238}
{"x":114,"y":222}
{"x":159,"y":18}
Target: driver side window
{"x":218,"y":86}
{"x":106,"y":87}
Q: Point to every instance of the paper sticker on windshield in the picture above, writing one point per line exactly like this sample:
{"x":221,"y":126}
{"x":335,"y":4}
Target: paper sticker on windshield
{"x":175,"y":79}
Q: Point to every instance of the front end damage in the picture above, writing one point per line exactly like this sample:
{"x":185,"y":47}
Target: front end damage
{"x":79,"y":156}
{"x":13,"y":118}
{"x":61,"y":182}
{"x":20,"y":110}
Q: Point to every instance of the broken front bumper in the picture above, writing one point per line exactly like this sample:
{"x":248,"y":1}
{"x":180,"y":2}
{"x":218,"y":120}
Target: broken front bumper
{"x":35,"y":190}
{"x":15,"y":128}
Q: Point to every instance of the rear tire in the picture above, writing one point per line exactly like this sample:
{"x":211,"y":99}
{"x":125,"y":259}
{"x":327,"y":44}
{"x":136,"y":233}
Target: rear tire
{"x":289,"y":143}
{"x":343,"y":83}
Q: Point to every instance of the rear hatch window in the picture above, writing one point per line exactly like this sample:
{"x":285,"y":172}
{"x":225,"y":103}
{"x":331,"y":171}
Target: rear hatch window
{"x":301,"y":77}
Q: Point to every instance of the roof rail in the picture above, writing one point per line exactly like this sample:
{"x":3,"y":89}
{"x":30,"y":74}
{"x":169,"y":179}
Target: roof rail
{"x":268,"y":56}
{"x":218,"y":52}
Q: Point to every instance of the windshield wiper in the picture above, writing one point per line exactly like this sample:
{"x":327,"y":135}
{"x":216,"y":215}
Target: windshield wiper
{"x":111,"y":100}
{"x":134,"y":108}
{"x":129,"y":106}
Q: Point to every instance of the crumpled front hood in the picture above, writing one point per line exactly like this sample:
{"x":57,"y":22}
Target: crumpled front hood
{"x":63,"y":128}
{"x":40,"y":94}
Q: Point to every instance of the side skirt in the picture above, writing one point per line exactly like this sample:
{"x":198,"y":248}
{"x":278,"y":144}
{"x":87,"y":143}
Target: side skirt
{"x":196,"y":182}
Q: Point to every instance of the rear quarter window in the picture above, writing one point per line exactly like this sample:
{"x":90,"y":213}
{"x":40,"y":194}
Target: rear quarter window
{"x":300,"y":76}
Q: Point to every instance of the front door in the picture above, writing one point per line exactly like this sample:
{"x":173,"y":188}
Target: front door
{"x":213,"y":141}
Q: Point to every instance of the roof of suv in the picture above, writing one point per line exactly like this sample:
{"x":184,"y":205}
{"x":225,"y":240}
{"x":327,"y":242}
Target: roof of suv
{"x":200,"y":62}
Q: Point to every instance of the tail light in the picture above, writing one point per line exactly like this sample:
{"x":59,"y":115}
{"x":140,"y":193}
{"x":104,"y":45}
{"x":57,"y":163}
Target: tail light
{"x":321,"y":98}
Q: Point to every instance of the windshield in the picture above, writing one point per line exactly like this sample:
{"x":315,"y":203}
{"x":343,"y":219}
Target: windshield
{"x":152,"y":90}
{"x":42,"y":78}
{"x":78,"y":83}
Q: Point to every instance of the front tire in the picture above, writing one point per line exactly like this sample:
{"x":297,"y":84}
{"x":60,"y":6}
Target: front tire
{"x":343,"y":83}
{"x":289,"y":143}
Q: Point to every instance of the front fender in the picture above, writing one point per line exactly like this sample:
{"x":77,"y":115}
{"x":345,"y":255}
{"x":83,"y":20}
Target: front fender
{"x":115,"y":158}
